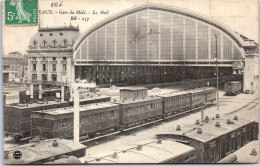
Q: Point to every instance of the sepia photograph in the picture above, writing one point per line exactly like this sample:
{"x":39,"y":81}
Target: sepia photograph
{"x":130,"y":82}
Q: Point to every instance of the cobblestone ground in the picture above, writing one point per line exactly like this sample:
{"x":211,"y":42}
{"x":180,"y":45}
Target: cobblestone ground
{"x":227,"y":104}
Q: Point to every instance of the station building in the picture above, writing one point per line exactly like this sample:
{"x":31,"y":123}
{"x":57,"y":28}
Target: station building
{"x":50,"y":54}
{"x":154,"y":43}
{"x":150,"y":43}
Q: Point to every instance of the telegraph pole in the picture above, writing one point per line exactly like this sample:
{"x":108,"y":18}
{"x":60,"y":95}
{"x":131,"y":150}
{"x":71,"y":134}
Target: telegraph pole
{"x":76,"y":125}
{"x":216,"y":56}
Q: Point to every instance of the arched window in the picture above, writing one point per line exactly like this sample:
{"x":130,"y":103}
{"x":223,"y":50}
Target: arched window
{"x":35,"y":44}
{"x":64,"y":42}
{"x":54,"y":43}
{"x":44,"y":43}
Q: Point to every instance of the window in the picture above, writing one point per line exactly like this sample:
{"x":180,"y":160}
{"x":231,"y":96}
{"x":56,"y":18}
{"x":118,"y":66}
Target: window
{"x":64,"y":58}
{"x":43,"y":67}
{"x":43,"y":58}
{"x":35,"y":44}
{"x":54,"y":77}
{"x":44,"y":43}
{"x":54,"y":58}
{"x":64,"y":67}
{"x":54,"y":43}
{"x":53,"y":67}
{"x":44,"y":77}
{"x":34,"y":58}
{"x":64,"y":42}
{"x":34,"y":67}
{"x":34,"y":77}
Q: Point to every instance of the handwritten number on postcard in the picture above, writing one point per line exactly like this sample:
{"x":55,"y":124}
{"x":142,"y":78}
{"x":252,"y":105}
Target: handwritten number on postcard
{"x":57,"y":4}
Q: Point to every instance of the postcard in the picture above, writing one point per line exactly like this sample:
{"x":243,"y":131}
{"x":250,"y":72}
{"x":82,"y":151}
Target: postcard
{"x":130,"y":81}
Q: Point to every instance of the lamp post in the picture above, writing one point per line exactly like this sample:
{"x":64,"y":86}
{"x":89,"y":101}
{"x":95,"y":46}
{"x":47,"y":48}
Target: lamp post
{"x":216,"y":57}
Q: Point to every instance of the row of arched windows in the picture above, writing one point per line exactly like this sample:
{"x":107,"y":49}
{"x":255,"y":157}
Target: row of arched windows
{"x":54,"y":43}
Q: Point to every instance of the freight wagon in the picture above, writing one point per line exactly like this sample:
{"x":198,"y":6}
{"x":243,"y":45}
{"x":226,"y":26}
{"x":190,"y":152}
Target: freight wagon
{"x":233,"y":88}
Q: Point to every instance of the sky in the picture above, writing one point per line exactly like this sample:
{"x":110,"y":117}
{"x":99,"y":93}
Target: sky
{"x":239,"y":15}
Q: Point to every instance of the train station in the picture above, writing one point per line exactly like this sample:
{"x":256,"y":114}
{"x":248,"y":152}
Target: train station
{"x":146,"y":44}
{"x":140,"y":83}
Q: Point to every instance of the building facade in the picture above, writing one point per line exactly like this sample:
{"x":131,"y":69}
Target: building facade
{"x":150,"y":43}
{"x":50,"y":54}
{"x":17,"y":63}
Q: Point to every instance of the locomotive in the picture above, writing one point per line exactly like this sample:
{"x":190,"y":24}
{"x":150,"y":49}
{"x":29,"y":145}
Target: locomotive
{"x":102,"y":118}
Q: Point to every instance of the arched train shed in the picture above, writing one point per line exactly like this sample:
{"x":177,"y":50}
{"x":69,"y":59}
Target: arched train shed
{"x":154,"y":43}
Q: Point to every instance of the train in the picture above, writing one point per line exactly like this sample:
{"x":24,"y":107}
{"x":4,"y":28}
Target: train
{"x":106,"y":117}
{"x":233,"y":88}
{"x":21,"y":128}
{"x":219,"y":139}
{"x":214,"y":138}
{"x":40,"y":151}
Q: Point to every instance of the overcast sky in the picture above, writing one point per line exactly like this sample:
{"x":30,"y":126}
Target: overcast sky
{"x":239,"y":15}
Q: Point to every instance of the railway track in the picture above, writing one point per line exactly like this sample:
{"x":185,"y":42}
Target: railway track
{"x":252,"y":104}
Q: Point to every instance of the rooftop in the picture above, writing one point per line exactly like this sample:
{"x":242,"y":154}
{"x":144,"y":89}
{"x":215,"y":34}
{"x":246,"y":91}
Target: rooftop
{"x":68,"y":110}
{"x":149,"y":151}
{"x":34,"y":105}
{"x":134,"y":88}
{"x":33,"y":152}
{"x":209,"y":130}
{"x":130,"y":101}
{"x":59,"y":28}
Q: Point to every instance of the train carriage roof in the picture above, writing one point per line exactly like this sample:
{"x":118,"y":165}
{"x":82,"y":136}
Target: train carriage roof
{"x":34,"y":105}
{"x":87,"y":107}
{"x":138,"y":100}
{"x":149,"y":151}
{"x":34,"y":152}
{"x":132,"y":88}
{"x":209,"y":130}
{"x":178,"y":93}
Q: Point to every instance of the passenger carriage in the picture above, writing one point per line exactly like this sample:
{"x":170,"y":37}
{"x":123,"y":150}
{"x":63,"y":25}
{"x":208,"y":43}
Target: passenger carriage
{"x":95,"y":119}
{"x":215,"y":138}
{"x":138,"y":111}
{"x":210,"y":95}
{"x":198,"y":97}
{"x":175,"y":103}
{"x":146,"y":152}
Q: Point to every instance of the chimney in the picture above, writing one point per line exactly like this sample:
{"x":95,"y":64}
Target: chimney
{"x":55,"y":143}
{"x":178,"y":128}
{"x":139,"y":147}
{"x":217,"y":124}
{"x":199,"y":131}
